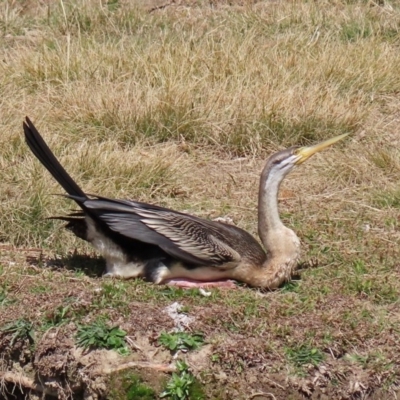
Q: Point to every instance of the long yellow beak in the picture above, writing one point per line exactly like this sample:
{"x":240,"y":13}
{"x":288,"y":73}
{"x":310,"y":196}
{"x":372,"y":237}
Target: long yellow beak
{"x":304,"y":153}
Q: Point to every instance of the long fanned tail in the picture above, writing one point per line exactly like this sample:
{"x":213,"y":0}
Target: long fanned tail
{"x":40,"y":149}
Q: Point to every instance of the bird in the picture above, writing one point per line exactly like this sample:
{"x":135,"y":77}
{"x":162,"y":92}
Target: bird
{"x":164,"y":246}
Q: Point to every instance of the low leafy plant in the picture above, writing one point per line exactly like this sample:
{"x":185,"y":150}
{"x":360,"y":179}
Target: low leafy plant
{"x":181,"y":340}
{"x":178,"y":387}
{"x":99,"y":335}
{"x":21,"y":329}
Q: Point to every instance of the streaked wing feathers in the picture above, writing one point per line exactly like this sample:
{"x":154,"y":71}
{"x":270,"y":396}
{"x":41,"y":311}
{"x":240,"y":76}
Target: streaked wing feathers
{"x":182,"y":236}
{"x":191,"y":236}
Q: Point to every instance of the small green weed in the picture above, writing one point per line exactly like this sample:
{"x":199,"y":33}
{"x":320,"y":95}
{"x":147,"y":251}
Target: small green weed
{"x":99,"y":335}
{"x":303,"y":355}
{"x":21,"y":329}
{"x":290,"y":286}
{"x":4,"y":299}
{"x":357,"y":358}
{"x":359,"y":267}
{"x":59,"y":316}
{"x":215,"y":358}
{"x":181,"y":340}
{"x":180,"y":386}
{"x":111,"y":295}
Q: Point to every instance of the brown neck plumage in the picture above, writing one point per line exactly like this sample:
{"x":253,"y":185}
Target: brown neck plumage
{"x":281,"y":243}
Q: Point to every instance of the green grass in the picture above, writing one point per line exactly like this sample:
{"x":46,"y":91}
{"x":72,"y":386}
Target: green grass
{"x":354,"y":31}
{"x":5,"y":299}
{"x":372,"y":360}
{"x":387,"y":199}
{"x":303,"y":354}
{"x":61,"y":315}
{"x":40,"y":289}
{"x":20,"y":329}
{"x":111,"y":294}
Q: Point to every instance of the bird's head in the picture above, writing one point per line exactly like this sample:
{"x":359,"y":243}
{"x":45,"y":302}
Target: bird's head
{"x":270,"y":227}
{"x":282,"y":162}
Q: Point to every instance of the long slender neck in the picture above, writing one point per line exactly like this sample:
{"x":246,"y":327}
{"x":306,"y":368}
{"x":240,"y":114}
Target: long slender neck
{"x":281,"y":243}
{"x":268,"y":213}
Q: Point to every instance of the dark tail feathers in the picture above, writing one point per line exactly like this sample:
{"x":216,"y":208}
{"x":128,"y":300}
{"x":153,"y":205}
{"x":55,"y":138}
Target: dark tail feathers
{"x":47,"y":158}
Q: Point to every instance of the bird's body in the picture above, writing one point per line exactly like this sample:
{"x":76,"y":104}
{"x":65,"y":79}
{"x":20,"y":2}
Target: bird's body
{"x":143,"y":240}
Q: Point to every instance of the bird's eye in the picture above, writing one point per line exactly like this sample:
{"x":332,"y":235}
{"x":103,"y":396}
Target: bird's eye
{"x":276,"y":162}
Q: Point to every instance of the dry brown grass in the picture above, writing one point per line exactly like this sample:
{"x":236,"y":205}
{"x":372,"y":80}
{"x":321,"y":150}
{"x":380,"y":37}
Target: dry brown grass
{"x":181,"y":106}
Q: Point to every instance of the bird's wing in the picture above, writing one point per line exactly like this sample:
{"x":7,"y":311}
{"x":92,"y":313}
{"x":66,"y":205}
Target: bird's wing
{"x":182,"y":236}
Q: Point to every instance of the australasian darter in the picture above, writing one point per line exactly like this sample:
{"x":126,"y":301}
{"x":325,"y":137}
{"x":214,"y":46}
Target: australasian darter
{"x":165,"y":246}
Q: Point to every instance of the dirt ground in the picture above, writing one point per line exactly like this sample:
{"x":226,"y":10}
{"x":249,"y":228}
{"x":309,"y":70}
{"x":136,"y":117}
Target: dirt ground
{"x":240,"y":360}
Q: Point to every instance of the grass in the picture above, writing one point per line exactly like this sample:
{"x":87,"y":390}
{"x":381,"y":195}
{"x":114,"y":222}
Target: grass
{"x":4,"y":298}
{"x":181,"y":107}
{"x":20,"y":329}
{"x":57,"y":317}
{"x":304,"y":354}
